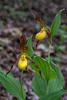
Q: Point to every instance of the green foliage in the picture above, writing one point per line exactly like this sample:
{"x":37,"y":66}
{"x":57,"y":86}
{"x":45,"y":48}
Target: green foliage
{"x":12,"y":85}
{"x":53,"y":96}
{"x":29,"y":45}
{"x":64,"y":27}
{"x":57,"y":83}
{"x":20,"y":13}
{"x":43,"y":65}
{"x":49,"y":91}
{"x":63,"y":32}
{"x":13,"y":11}
{"x":56,"y":59}
{"x":56,"y":23}
{"x":49,"y":88}
{"x":24,"y":1}
{"x":6,"y":7}
{"x":63,"y":39}
{"x":39,"y":85}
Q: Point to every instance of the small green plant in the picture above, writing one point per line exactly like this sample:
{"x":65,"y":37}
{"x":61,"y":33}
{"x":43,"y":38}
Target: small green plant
{"x":48,"y":80}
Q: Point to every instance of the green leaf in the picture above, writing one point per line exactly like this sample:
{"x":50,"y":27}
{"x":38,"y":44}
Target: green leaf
{"x":42,"y":88}
{"x":12,"y":85}
{"x":56,"y":23}
{"x":55,"y":84}
{"x":39,"y":85}
{"x":53,"y":96}
{"x":29,"y":45}
{"x":20,"y":13}
{"x":46,"y":71}
{"x":56,"y":59}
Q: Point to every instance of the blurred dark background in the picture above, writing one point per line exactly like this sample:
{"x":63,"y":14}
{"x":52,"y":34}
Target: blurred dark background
{"x":15,"y":14}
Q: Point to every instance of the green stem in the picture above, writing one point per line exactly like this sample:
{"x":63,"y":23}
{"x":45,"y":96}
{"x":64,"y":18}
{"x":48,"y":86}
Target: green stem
{"x":21,"y":84}
{"x":49,"y":54}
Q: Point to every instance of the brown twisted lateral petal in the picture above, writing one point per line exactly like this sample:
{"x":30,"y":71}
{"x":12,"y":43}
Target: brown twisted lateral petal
{"x":22,"y":47}
{"x":12,"y":66}
{"x":49,"y":36}
{"x":37,"y":17}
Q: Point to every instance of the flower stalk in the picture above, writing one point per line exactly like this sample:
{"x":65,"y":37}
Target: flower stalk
{"x":21,"y":84}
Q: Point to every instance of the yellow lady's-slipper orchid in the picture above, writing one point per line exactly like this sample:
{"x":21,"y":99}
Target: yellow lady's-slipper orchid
{"x":22,"y":63}
{"x":44,"y":31}
{"x":41,"y":35}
